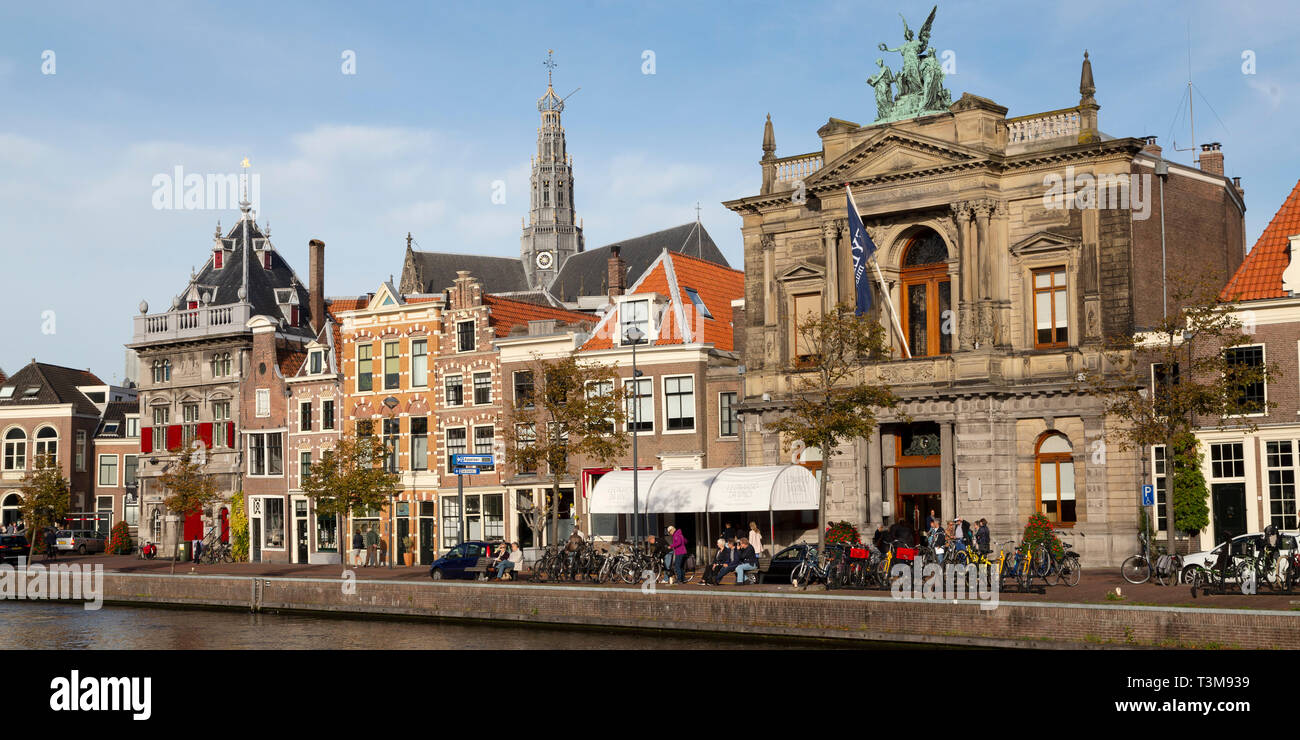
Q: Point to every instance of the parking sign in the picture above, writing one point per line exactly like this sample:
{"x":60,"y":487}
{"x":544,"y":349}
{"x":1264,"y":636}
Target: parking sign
{"x":1148,"y":495}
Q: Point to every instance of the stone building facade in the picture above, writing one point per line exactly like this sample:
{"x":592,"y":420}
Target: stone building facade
{"x":1006,"y":275}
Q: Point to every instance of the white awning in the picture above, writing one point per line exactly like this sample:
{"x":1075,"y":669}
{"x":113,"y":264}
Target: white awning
{"x":760,"y":488}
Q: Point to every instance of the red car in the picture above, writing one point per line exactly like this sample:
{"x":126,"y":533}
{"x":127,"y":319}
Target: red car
{"x":14,"y":546}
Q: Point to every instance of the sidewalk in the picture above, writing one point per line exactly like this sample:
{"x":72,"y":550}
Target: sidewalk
{"x":1092,"y":589}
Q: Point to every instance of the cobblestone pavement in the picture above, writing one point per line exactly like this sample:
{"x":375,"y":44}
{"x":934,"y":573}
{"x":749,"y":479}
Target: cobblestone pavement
{"x":1096,"y":587}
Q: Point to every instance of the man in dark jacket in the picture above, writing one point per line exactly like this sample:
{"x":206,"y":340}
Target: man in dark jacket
{"x":881,"y":539}
{"x":51,"y":544}
{"x":902,"y":533}
{"x":748,"y":561}
{"x":733,"y":560}
{"x":982,"y":544}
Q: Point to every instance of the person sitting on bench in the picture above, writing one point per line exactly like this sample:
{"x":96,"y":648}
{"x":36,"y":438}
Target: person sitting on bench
{"x":513,"y":562}
{"x":719,"y":563}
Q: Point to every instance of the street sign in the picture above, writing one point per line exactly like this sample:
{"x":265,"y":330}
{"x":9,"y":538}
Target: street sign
{"x":467,"y":470}
{"x":1148,"y":495}
{"x":484,"y":460}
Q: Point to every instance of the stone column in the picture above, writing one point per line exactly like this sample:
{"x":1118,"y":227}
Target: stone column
{"x":831,"y":245}
{"x":947,"y":475}
{"x":875,"y":479}
{"x":965,"y":286}
{"x":767,"y":243}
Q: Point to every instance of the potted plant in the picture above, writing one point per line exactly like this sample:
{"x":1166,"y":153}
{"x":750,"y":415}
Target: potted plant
{"x":408,"y":542}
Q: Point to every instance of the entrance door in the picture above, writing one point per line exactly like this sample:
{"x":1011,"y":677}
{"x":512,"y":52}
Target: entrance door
{"x":302,"y":540}
{"x":403,"y":529}
{"x":257,"y":540}
{"x":1229,"y":501}
{"x":917,"y":475}
{"x":917,"y":508}
{"x":428,"y":540}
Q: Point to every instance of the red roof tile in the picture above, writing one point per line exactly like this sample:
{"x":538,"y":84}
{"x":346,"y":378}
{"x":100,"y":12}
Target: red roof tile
{"x":671,"y":276}
{"x":1260,"y":274}
{"x":505,"y":314}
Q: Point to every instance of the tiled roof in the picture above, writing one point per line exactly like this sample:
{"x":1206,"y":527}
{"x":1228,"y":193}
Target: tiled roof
{"x":1260,"y":274}
{"x":675,"y":276}
{"x":505,"y":314}
{"x":116,"y":411}
{"x":587,"y":273}
{"x":55,"y":384}
{"x":290,"y":361}
{"x":436,"y":271}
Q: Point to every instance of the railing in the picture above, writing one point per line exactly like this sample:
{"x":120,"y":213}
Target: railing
{"x":191,"y":322}
{"x":789,"y":169}
{"x":1043,"y":126}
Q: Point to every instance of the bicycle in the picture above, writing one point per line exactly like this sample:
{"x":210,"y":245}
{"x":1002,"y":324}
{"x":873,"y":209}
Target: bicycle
{"x":808,"y":569}
{"x":1137,"y":569}
{"x":217,"y":553}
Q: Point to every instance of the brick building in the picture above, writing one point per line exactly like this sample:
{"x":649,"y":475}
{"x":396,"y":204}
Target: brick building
{"x":1252,"y":474}
{"x":50,"y":412}
{"x":116,"y":454}
{"x":1011,"y":248}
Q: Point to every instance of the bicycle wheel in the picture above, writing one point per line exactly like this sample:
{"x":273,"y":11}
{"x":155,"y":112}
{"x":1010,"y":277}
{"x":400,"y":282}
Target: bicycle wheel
{"x":1043,"y":562}
{"x":1169,"y":576}
{"x":798,"y":574}
{"x":1136,"y":569}
{"x":1071,"y":570}
{"x":960,"y":558}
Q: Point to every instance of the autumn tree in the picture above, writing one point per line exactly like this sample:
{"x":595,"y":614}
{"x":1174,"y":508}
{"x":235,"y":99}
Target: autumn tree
{"x":573,"y":410}
{"x":46,"y":498}
{"x":350,"y":477}
{"x":190,"y":488}
{"x":831,"y":401}
{"x":1185,"y":373}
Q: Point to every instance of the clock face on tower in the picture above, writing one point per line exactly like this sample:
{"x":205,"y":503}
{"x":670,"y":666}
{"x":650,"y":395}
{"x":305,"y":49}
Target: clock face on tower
{"x":545,"y":260}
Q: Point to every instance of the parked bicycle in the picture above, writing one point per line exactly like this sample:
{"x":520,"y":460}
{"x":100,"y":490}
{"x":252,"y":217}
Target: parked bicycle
{"x":1167,"y":569}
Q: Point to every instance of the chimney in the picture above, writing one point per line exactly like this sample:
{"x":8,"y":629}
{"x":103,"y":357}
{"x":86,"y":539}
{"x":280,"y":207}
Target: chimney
{"x":617,"y":278}
{"x":316,"y":297}
{"x":1152,"y":148}
{"x":1212,"y":158}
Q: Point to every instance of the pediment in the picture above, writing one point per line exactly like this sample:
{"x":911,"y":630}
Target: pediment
{"x":893,"y":152}
{"x":1043,"y":241}
{"x":385,"y":297}
{"x":802,"y":271}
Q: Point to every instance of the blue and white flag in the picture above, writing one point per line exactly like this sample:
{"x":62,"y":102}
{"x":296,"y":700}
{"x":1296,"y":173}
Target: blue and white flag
{"x":863,"y":248}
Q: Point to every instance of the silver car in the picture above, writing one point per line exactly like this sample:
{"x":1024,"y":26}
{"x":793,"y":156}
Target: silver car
{"x":81,"y":540}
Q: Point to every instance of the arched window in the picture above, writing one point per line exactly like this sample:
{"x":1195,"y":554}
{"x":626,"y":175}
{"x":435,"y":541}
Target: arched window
{"x":928,"y":322}
{"x":47,"y":445}
{"x":155,"y":525}
{"x":546,"y":194}
{"x":1054,"y":478}
{"x":167,"y":370}
{"x":15,"y":454}
{"x":9,"y":512}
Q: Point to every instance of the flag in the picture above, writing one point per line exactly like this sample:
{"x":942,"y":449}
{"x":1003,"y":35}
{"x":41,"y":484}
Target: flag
{"x":863,"y":248}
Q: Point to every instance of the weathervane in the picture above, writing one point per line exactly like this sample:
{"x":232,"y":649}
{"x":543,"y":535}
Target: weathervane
{"x":550,"y":66}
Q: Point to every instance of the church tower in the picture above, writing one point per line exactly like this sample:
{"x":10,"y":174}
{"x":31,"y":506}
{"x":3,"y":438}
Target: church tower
{"x":551,"y":234}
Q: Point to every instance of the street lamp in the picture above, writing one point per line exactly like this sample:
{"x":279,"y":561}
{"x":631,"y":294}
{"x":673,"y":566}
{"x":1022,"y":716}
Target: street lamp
{"x":634,"y":336}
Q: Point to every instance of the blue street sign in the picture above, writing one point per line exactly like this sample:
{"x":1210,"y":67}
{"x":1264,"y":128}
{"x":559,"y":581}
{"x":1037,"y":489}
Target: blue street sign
{"x":1148,"y":495}
{"x":467,"y":470}
{"x":484,"y":460}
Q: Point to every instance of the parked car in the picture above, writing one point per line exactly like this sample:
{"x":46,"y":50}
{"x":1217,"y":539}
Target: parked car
{"x":460,"y":558}
{"x":783,"y":563}
{"x":14,"y":546}
{"x":81,"y":540}
{"x":1243,"y":544}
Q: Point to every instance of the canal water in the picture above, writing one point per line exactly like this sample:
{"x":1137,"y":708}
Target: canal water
{"x":45,"y":625}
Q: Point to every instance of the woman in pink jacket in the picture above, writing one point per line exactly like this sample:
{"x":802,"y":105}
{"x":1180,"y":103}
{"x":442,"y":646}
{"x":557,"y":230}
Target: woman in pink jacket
{"x":679,"y":554}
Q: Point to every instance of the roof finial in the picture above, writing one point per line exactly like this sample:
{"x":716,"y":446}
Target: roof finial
{"x":244,"y":205}
{"x":408,"y":240}
{"x":1086,"y":86}
{"x":769,"y":139}
{"x":550,"y":66}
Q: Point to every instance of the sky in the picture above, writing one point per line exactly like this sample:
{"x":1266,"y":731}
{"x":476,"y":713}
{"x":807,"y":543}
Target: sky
{"x":98,"y":100}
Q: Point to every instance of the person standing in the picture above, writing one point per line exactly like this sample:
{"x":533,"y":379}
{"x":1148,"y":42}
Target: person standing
{"x":756,"y":538}
{"x":958,"y":535}
{"x":358,"y":547}
{"x":679,"y":555}
{"x":982,"y":544}
{"x":728,"y":531}
{"x":932,"y":520}
{"x":372,"y":544}
{"x":51,"y":544}
{"x":383,"y":552}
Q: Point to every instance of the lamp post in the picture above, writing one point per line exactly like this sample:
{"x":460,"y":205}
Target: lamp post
{"x":634,"y":336}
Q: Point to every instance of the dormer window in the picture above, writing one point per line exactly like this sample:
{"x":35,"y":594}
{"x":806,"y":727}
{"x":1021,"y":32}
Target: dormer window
{"x":698,"y":302}
{"x":266,"y":259}
{"x":316,"y":362}
{"x":634,"y":314}
{"x":7,"y":392}
{"x":217,"y":259}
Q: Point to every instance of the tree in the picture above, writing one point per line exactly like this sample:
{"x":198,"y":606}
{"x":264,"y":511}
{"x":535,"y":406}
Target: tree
{"x":573,"y":411}
{"x":46,"y":498}
{"x":831,"y":401}
{"x":1163,"y":384}
{"x":189,"y":487}
{"x":239,"y":539}
{"x":350,"y":477}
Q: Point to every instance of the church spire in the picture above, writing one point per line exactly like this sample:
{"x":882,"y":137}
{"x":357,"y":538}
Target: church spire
{"x":550,"y":235}
{"x":1086,"y":86}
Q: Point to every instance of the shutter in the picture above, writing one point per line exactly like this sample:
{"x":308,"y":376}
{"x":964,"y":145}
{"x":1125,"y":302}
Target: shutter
{"x":146,"y":440}
{"x":205,"y":434}
{"x":230,"y":434}
{"x":173,"y":437}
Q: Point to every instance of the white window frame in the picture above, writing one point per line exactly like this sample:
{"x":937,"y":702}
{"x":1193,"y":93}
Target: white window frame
{"x":1263,"y":359}
{"x":333,"y":411}
{"x":80,"y":452}
{"x":447,"y":379}
{"x":473,"y":335}
{"x":721,"y":416}
{"x":132,"y":427}
{"x":1266,"y":486}
{"x":415,"y":376}
{"x":627,"y":423}
{"x":446,"y":445}
{"x":262,"y":408}
{"x":651,"y":326}
{"x":99,"y":471}
{"x":474,"y":387}
{"x":663,"y":388}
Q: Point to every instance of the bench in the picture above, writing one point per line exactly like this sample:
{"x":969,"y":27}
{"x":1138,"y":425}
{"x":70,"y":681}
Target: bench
{"x":756,"y":574}
{"x":484,"y":569}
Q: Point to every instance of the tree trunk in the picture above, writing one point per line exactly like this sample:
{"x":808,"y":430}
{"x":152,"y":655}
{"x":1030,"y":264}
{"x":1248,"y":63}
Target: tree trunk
{"x":821,"y":507}
{"x":555,"y":511}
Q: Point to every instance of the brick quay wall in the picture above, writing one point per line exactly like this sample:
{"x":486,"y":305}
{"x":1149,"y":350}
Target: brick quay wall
{"x":854,"y":618}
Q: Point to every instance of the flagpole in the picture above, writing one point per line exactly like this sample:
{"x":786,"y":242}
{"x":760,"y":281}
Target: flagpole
{"x":889,"y":304}
{"x":884,"y":290}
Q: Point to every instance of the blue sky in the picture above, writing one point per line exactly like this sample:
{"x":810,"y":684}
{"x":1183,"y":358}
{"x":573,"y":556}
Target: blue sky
{"x":443,"y":104}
